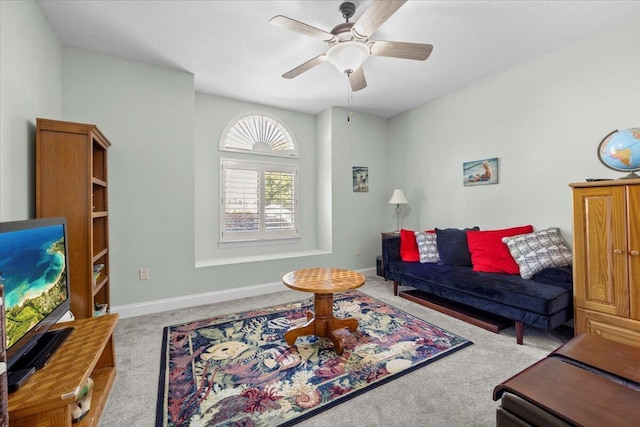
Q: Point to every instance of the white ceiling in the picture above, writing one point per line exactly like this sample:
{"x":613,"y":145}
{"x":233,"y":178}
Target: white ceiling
{"x":233,"y":51}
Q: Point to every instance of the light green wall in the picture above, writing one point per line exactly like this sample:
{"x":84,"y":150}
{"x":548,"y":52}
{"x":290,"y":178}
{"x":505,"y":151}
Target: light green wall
{"x":324,"y":181}
{"x":147,"y":114}
{"x":358,"y":218}
{"x":543,"y":120}
{"x":31,"y":86}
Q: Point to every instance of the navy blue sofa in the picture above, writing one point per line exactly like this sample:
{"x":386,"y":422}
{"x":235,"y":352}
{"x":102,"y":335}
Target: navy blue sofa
{"x":545,"y":301}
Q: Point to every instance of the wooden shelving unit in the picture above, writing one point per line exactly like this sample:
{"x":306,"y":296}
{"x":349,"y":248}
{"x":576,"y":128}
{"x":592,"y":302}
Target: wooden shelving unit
{"x":71,"y":181}
{"x":46,"y":398}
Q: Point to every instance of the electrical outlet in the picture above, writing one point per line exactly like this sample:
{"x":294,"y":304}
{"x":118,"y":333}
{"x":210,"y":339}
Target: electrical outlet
{"x":358,"y":250}
{"x":143,"y":273}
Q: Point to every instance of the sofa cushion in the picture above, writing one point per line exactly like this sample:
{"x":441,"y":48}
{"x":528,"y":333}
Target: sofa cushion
{"x":408,"y":246}
{"x":427,"y":246}
{"x":483,"y":290}
{"x":452,"y":246}
{"x":539,"y":250}
{"x":490,"y":254}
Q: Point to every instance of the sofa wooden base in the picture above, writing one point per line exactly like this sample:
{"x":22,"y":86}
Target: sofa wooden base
{"x":476,"y":317}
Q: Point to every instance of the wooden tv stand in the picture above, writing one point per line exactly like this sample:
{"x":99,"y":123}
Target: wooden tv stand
{"x":46,"y":398}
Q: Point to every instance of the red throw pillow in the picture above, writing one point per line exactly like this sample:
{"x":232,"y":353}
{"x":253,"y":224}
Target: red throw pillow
{"x":409,"y":246}
{"x":489,"y":254}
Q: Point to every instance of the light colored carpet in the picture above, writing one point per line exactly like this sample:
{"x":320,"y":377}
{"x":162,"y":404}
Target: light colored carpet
{"x":454,"y":391}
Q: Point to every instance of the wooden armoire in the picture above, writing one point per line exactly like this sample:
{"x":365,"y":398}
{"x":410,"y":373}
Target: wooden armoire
{"x":606,"y":251}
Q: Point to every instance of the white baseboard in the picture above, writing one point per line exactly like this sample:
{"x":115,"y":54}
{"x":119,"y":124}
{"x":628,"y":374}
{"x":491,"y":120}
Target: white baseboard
{"x":157,"y":306}
{"x":139,"y":309}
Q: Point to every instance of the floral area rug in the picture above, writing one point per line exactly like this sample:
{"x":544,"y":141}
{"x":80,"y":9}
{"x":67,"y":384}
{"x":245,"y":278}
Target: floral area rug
{"x":237,"y":370}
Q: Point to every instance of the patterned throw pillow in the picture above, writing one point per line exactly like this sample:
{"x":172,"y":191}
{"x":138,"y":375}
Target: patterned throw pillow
{"x":536,"y":251}
{"x":427,"y":247}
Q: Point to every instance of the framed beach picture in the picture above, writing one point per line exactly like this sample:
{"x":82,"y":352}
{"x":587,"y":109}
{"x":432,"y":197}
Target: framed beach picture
{"x":480,"y":172}
{"x":360,"y":179}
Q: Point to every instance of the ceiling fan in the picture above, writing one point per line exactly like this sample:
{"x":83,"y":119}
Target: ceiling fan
{"x":349,"y":44}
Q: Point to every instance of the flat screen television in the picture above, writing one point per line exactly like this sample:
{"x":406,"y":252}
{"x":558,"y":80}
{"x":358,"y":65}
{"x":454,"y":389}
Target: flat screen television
{"x":34,"y":271}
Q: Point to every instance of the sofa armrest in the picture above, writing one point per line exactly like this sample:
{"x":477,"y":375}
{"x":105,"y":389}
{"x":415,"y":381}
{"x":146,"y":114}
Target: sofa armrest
{"x":556,"y":276}
{"x":390,"y":250}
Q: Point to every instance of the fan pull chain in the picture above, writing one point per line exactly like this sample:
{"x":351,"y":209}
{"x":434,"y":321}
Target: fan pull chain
{"x":349,"y":98}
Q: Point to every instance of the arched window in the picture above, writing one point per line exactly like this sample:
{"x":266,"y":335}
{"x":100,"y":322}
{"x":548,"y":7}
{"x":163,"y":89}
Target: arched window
{"x":259,"y":199}
{"x":258,"y":133}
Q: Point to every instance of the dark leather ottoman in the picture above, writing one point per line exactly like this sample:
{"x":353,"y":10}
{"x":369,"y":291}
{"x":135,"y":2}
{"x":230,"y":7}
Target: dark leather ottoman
{"x":514,"y":411}
{"x":589,"y":381}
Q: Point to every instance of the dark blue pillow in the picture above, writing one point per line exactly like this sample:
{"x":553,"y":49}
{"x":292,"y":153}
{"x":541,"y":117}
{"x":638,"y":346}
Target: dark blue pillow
{"x":452,"y":246}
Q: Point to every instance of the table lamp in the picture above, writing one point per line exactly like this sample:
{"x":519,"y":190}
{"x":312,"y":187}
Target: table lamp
{"x":398,"y":199}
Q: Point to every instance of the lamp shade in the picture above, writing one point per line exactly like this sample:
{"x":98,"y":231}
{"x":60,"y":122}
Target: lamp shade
{"x":398,"y":198}
{"x":348,"y":56}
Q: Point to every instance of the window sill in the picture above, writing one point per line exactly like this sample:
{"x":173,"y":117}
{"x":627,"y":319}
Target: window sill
{"x":250,"y":243}
{"x":258,"y":258}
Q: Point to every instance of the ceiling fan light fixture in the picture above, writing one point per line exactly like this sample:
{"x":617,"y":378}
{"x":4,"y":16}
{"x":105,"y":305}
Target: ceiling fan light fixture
{"x":348,"y":56}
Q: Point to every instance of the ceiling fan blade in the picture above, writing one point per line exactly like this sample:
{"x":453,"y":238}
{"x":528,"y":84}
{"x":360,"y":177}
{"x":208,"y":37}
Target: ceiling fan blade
{"x":357,"y":80}
{"x":416,"y":51}
{"x":374,"y":16}
{"x":302,"y":28}
{"x":306,"y":66}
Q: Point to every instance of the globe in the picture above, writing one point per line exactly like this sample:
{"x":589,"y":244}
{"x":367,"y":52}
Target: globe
{"x":620,"y":151}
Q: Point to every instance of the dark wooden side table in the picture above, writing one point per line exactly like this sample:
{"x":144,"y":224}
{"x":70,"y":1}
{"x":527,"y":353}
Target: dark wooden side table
{"x":323,"y":282}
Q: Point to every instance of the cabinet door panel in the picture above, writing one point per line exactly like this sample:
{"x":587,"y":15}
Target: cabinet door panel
{"x":633,"y":213}
{"x":600,"y":250}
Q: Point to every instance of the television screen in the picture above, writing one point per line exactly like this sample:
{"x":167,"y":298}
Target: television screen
{"x":33,"y":270}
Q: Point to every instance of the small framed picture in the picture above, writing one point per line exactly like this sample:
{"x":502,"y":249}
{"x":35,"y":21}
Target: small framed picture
{"x":480,"y":172}
{"x":360,"y":179}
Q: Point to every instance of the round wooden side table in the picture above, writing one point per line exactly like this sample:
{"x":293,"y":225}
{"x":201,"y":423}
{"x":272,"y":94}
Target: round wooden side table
{"x":323,"y":282}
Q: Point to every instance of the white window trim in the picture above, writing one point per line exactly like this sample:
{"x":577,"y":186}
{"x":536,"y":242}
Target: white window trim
{"x":262,"y":236}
